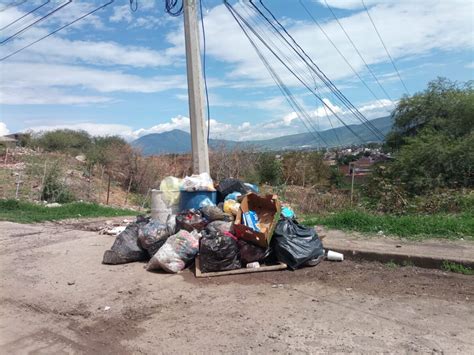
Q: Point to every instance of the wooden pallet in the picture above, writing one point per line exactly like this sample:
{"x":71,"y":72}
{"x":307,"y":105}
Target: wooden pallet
{"x":198,"y":272}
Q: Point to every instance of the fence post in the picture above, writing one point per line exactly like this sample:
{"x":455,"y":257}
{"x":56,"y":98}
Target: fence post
{"x":352,"y":182}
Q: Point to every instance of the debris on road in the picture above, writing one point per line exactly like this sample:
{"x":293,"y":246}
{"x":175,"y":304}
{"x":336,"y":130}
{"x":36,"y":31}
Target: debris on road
{"x":235,"y":231}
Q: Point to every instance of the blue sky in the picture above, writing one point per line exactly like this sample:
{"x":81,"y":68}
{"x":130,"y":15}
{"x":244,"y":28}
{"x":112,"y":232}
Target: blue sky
{"x":123,"y":72}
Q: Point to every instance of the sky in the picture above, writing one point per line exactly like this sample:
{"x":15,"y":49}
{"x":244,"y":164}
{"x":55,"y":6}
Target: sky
{"x":119,"y":72}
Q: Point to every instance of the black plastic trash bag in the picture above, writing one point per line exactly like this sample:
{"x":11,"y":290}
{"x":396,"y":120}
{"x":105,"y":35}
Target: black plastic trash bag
{"x":219,"y":227}
{"x":250,"y":253}
{"x":152,"y":236}
{"x":190,"y":220}
{"x":294,"y":244}
{"x":214,"y":213}
{"x":126,"y":248}
{"x":230,"y":185}
{"x":218,"y":252}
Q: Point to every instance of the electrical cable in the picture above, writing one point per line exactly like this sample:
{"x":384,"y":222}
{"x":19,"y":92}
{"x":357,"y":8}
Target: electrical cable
{"x":328,"y":117}
{"x":35,"y":22}
{"x":357,"y":50}
{"x":291,"y":62}
{"x":132,"y":7}
{"x":340,"y":53}
{"x":204,"y":73}
{"x":234,"y":11}
{"x":385,"y":47}
{"x":283,"y":88}
{"x":319,"y":72}
{"x":13,"y":4}
{"x":172,"y":7}
{"x":57,"y":30}
{"x":28,"y":13}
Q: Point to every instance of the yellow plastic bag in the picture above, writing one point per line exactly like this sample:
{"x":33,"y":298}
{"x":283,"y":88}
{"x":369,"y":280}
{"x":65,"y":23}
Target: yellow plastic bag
{"x":231,"y":207}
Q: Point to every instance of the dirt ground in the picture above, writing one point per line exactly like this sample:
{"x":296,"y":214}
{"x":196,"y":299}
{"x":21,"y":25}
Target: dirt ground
{"x":55,"y":298}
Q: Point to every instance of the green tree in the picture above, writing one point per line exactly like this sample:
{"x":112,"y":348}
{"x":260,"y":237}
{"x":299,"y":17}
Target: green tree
{"x":445,"y":106}
{"x":433,"y":138}
{"x":269,"y":169}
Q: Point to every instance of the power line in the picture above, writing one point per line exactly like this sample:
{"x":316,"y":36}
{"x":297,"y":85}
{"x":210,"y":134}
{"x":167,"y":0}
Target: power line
{"x":283,"y":88}
{"x":28,"y":13}
{"x":385,"y":47}
{"x":174,"y":7}
{"x":289,"y":69}
{"x":340,"y":53}
{"x":318,"y":71}
{"x":35,"y":22}
{"x":133,"y":5}
{"x":291,"y":62}
{"x":204,"y":73}
{"x":357,"y":50}
{"x":56,"y":31}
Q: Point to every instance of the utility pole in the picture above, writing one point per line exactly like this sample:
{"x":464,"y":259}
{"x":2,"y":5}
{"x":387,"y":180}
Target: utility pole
{"x":195,"y":93}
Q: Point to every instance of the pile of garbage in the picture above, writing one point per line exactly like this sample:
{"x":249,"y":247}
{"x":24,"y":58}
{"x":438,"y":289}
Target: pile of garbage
{"x":227,"y":226}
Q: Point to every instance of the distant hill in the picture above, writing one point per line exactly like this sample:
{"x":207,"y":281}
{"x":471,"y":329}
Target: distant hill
{"x":177,"y":141}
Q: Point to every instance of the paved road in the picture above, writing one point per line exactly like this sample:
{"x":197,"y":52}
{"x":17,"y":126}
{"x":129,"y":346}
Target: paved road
{"x":55,"y":293}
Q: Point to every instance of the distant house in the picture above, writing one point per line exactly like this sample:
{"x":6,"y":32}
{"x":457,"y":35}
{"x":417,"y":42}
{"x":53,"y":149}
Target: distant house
{"x":7,"y":141}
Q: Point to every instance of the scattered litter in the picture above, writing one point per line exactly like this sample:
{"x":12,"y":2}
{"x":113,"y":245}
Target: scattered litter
{"x":287,"y":212}
{"x":254,"y":265}
{"x":114,"y":230}
{"x":334,"y":256}
{"x":54,"y":204}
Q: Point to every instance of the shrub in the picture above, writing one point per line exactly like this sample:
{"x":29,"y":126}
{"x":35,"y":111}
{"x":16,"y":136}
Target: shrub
{"x":55,"y":190}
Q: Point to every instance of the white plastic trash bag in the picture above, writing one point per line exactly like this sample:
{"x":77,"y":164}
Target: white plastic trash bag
{"x":201,"y":182}
{"x":171,"y":186}
{"x":178,"y":250}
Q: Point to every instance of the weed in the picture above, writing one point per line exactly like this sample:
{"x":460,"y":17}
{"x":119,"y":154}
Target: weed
{"x":408,"y":226}
{"x":457,"y":268}
{"x":25,"y":212}
{"x":391,"y":264}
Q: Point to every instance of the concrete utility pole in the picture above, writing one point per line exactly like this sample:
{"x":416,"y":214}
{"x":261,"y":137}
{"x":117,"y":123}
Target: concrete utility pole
{"x":195,"y":93}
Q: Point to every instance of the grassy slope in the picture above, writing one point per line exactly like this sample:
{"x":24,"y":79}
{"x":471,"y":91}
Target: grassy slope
{"x":409,"y":226}
{"x":25,"y":212}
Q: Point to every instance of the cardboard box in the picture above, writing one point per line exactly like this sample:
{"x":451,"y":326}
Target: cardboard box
{"x":268,"y":212}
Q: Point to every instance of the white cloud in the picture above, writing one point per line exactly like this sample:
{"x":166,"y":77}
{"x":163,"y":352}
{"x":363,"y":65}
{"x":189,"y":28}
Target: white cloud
{"x":49,"y":96}
{"x":18,"y":76}
{"x":121,"y":13}
{"x":289,"y":123}
{"x":409,"y":28}
{"x":3,"y":129}
{"x":346,"y":4}
{"x":58,"y":49}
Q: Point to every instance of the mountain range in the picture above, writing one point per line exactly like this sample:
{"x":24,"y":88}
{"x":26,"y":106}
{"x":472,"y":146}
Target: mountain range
{"x":178,"y":142}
